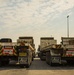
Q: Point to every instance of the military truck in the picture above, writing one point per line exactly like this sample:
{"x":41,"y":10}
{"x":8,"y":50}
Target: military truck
{"x":56,"y":53}
{"x":44,"y":42}
{"x":29,"y":40}
{"x":15,"y":53}
{"x":7,"y":51}
{"x":68,"y":51}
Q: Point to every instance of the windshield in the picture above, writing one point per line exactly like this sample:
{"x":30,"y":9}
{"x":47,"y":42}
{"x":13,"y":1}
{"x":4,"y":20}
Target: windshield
{"x":5,"y":40}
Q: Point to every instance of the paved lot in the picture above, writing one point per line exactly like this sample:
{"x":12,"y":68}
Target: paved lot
{"x":38,"y":67}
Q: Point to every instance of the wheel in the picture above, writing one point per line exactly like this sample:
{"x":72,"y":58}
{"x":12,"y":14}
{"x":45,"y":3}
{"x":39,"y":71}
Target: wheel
{"x":32,"y":58}
{"x":3,"y":63}
{"x":51,"y":64}
{"x":27,"y":66}
{"x":70,"y":61}
{"x":21,"y":66}
{"x":0,"y":64}
{"x":41,"y":59}
{"x":47,"y":63}
{"x":7,"y":62}
{"x":50,"y":61}
{"x":47,"y":58}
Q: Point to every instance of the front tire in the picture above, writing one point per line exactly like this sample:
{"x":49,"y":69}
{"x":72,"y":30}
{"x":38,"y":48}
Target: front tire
{"x":27,"y":66}
{"x":50,"y":61}
{"x":21,"y":66}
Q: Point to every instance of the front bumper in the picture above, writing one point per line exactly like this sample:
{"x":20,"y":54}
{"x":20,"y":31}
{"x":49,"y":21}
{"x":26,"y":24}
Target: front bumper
{"x":21,"y":60}
{"x":56,"y":59}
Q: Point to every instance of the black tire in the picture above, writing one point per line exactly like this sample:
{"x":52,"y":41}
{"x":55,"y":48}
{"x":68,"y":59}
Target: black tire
{"x":51,"y":64}
{"x":3,"y":63}
{"x":21,"y":66}
{"x":7,"y":62}
{"x":0,"y":64}
{"x":50,"y":61}
{"x":47,"y":63}
{"x":70,"y":62}
{"x":32,"y":58}
{"x":42,"y":59}
{"x":27,"y":66}
{"x":47,"y":58}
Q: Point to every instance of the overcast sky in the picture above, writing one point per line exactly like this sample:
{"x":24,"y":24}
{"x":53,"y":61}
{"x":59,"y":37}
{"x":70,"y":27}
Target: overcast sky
{"x":37,"y":18}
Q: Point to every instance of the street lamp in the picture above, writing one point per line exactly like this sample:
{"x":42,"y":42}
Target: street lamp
{"x":68,"y":26}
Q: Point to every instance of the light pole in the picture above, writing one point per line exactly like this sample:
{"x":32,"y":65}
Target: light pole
{"x":68,"y":26}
